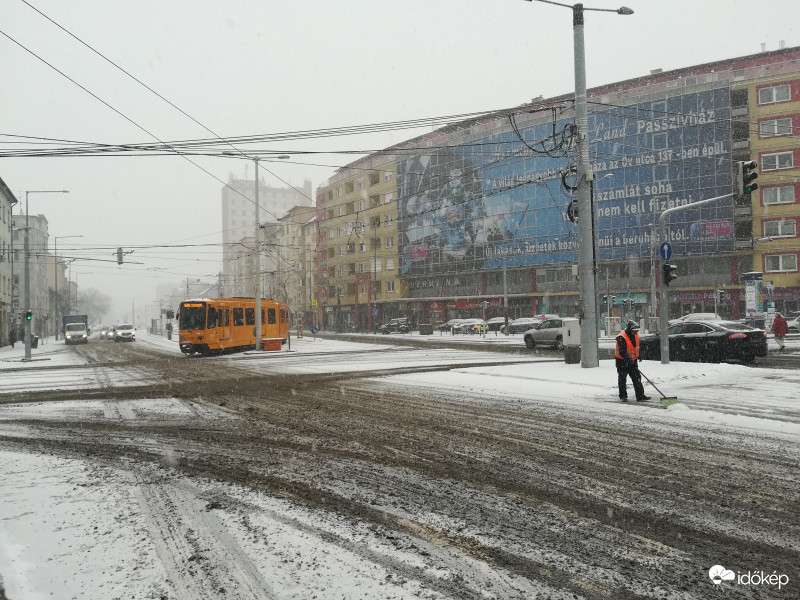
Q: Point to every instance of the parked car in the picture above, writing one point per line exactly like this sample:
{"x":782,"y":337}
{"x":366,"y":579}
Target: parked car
{"x":707,"y":341}
{"x":449,"y":324}
{"x":399,"y":325}
{"x":124,"y":333}
{"x":696,"y":317}
{"x":522,"y":324}
{"x":470,"y":326}
{"x":792,"y":322}
{"x":495,"y":323}
{"x":549,"y":332}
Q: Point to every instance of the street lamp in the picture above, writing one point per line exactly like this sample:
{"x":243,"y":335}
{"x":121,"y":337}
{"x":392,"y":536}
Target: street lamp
{"x":257,"y":257}
{"x":586,"y":242}
{"x":55,"y":270}
{"x":28,"y":268}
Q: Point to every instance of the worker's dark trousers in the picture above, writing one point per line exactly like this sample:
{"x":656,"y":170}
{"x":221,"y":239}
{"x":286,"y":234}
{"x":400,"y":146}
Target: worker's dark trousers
{"x":622,"y":379}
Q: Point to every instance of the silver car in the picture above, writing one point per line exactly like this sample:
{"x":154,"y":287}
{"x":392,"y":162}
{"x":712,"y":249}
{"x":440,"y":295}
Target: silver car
{"x":549,"y":332}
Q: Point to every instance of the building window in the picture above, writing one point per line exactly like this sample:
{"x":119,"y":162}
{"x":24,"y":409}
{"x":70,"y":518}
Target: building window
{"x":331,"y":234}
{"x":374,"y":178}
{"x":775,"y":127}
{"x":389,"y":220}
{"x":362,"y":267}
{"x":339,"y":211}
{"x":738,"y":75}
{"x":362,"y":204}
{"x":376,"y":265}
{"x":339,"y":231}
{"x":390,"y":286}
{"x":774,"y":93}
{"x":363,"y":288}
{"x":780,"y":228}
{"x":780,"y":262}
{"x":361,"y":183}
{"x":390,"y":241}
{"x":783,"y":194}
{"x":777,"y":161}
{"x":362,"y":246}
{"x":351,"y":227}
{"x":390,"y":264}
{"x":341,"y":250}
{"x":388,"y":198}
{"x":387,"y":175}
{"x":339,"y":191}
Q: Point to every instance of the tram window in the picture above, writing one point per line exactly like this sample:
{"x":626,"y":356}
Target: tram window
{"x":262,"y":316}
{"x":271,"y":316}
{"x":227,"y":317}
{"x":283,"y":316}
{"x":212,"y":317}
{"x":250,"y":316}
{"x":192,"y":316}
{"x":238,"y":317}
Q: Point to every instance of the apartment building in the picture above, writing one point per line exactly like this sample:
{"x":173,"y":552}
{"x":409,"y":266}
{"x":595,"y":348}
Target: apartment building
{"x":238,"y":221}
{"x":297,"y":244}
{"x":7,"y":308}
{"x":479,"y":209}
{"x":358,"y":283}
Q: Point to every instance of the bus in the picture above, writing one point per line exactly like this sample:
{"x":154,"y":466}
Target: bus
{"x":216,"y":325}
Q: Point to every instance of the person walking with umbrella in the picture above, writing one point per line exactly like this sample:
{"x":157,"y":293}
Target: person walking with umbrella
{"x":627,"y":361}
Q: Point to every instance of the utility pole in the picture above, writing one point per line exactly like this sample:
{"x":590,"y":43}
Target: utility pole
{"x":663,"y":302}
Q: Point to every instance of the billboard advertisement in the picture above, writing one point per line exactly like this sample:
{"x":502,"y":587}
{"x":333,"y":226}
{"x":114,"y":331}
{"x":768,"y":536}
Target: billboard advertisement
{"x":502,"y":199}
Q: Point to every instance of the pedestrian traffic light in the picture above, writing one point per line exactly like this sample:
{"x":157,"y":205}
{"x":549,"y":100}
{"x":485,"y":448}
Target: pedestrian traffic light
{"x":669,"y":272}
{"x":746,"y":176}
{"x":28,"y":315}
{"x":119,"y":256}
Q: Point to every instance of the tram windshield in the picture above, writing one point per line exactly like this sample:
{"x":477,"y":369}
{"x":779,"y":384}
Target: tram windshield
{"x":193,"y":315}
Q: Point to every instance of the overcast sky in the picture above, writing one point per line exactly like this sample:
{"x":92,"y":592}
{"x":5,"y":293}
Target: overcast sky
{"x":261,"y":67}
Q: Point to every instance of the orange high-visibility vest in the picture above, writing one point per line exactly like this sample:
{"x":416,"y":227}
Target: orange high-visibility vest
{"x":633,"y":346}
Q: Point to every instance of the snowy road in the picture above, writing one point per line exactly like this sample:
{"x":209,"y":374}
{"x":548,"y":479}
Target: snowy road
{"x":349,"y":471}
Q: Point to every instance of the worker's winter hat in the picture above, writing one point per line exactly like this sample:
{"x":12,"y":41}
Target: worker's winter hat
{"x":633,"y":326}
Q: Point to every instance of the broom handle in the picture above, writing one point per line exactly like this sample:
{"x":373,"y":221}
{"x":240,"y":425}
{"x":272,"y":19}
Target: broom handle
{"x":653,"y":384}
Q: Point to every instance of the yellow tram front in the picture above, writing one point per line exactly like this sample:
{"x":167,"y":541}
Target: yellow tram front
{"x":193,"y":336}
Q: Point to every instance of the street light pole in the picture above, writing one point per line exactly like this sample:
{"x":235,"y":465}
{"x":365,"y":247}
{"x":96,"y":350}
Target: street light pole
{"x":28,"y":268}
{"x":257,"y":257}
{"x":586,"y":242}
{"x":55,"y":270}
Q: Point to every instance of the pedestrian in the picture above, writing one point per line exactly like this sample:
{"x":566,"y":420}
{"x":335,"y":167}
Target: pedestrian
{"x":169,"y":331}
{"x":12,"y":336}
{"x":779,"y":328}
{"x":627,"y":361}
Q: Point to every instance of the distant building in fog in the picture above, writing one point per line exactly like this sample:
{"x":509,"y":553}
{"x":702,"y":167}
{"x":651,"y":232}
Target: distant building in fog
{"x":238,"y":223}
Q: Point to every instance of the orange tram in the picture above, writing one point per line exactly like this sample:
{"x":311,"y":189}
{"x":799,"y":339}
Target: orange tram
{"x":217,"y":325}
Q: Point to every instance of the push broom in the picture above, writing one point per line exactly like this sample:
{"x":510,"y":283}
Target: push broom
{"x":665,"y":400}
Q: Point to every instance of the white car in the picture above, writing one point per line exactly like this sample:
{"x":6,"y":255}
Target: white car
{"x":124,"y":333}
{"x":792,"y":322}
{"x":696,"y":317}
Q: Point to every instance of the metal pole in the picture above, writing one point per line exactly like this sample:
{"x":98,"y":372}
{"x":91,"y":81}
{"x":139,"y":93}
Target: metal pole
{"x":257,"y":262}
{"x":27,"y":282}
{"x":585,"y":225}
{"x":55,"y":277}
{"x":663,"y":303}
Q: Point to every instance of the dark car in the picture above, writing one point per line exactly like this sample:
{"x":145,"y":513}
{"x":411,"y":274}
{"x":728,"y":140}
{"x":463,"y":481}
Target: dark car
{"x":400,"y":325}
{"x":496,"y":323}
{"x":522,"y":324}
{"x":708,"y":341}
{"x":449,"y":324}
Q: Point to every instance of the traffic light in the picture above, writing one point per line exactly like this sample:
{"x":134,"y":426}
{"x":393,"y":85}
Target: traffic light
{"x":119,"y":256}
{"x":612,"y":298}
{"x":746,"y":176}
{"x":28,"y":315}
{"x":605,"y":299}
{"x":669,"y":272}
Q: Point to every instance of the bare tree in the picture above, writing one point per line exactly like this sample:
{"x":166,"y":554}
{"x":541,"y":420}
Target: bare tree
{"x":94,"y":303}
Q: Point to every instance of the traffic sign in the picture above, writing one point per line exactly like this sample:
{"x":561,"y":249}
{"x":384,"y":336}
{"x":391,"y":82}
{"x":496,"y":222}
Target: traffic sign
{"x":666,"y":251}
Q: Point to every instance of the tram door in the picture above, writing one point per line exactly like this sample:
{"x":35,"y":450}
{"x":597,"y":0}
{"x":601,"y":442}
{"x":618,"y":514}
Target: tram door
{"x":226,"y":325}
